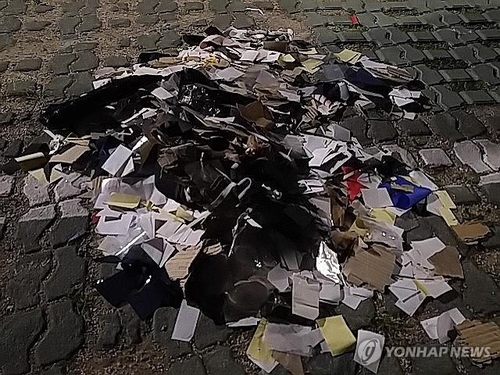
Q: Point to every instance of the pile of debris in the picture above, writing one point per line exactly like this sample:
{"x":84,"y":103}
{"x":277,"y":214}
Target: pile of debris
{"x":223,"y":183}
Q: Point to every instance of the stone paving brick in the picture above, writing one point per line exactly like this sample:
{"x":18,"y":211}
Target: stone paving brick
{"x":9,"y":24}
{"x":466,"y":35}
{"x":433,"y":19}
{"x":413,"y":127}
{"x":208,"y":334}
{"x":435,"y":157}
{"x":316,"y":20}
{"x":89,"y":23}
{"x":36,"y":193}
{"x":27,"y":65}
{"x":57,"y":86}
{"x":367,"y":20}
{"x":483,"y":53}
{"x":489,"y":34}
{"x":4,"y":65}
{"x":85,"y":46}
{"x":21,"y":88}
{"x":222,"y":21}
{"x":69,"y":272}
{"x":413,"y":55}
{"x":85,"y":60}
{"x":464,"y":53}
{"x":462,"y":194}
{"x":193,"y":365}
{"x":409,"y":21}
{"x":468,"y":124}
{"x":6,"y":41}
{"x":36,"y":25}
{"x":109,"y":329}
{"x":166,"y":6}
{"x":430,"y":366}
{"x":33,"y":224}
{"x":393,"y":55}
{"x":381,"y":130}
{"x":437,"y":54}
{"x":482,"y":294}
{"x":67,"y":25}
{"x":82,"y":83}
{"x":18,"y":333}
{"x":470,"y":154}
{"x":447,"y":98}
{"x":242,"y":21}
{"x":42,"y":8}
{"x":325,"y":35}
{"x":455,"y":75}
{"x":449,"y":36}
{"x":147,"y":6}
{"x":170,"y":39}
{"x":358,"y":128}
{"x":422,"y":36}
{"x":195,"y":5}
{"x":492,"y":192}
{"x":236,"y":6}
{"x":445,"y":125}
{"x":64,"y":335}
{"x":427,"y":75}
{"x":492,"y":15}
{"x":119,"y":22}
{"x":491,"y":153}
{"x":6,"y":185}
{"x":476,"y":97}
{"x":220,"y":361}
{"x":351,"y":37}
{"x":60,"y":63}
{"x":381,"y":37}
{"x":326,"y":364}
{"x":148,"y":42}
{"x":472,"y":18}
{"x":147,"y":19}
{"x":486,"y":73}
{"x":383,"y":20}
{"x":163,"y":325}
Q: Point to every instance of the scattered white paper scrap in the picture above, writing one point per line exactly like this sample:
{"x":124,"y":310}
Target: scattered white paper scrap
{"x":161,"y":93}
{"x":369,"y":349}
{"x":438,"y":327}
{"x":278,"y":276}
{"x":376,"y":198}
{"x":118,"y":164}
{"x":185,"y":325}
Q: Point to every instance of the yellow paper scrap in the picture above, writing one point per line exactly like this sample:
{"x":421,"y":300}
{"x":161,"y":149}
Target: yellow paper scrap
{"x":39,"y":174}
{"x":312,"y":65}
{"x":258,"y":350}
{"x":348,"y":56}
{"x":337,"y":334}
{"x":183,"y":214}
{"x":310,"y":51}
{"x":445,"y":199}
{"x":422,"y":287}
{"x":383,"y":215}
{"x":287,"y":58}
{"x":124,"y":200}
{"x":448,"y":216}
{"x":357,"y":229}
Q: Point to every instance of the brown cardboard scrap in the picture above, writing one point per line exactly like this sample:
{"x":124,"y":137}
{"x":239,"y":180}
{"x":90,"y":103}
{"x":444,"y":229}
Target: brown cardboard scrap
{"x":471,"y":231}
{"x":256,"y":113}
{"x":447,"y":262}
{"x":373,"y":266}
{"x":475,"y":334}
{"x":70,"y":155}
{"x":178,"y":266}
{"x":291,"y":362}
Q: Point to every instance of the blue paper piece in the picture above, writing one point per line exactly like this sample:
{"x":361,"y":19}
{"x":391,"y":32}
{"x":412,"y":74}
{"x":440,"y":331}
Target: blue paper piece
{"x":402,"y":199}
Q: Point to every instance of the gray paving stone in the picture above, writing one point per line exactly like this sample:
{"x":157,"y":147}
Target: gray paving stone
{"x":72,"y":225}
{"x":434,"y":366}
{"x":124,"y":42}
{"x":358,"y":128}
{"x":368,"y":20}
{"x":481,"y":293}
{"x":195,"y":5}
{"x":449,"y":36}
{"x":82,"y":83}
{"x":413,"y":127}
{"x":67,"y":25}
{"x":362,"y":317}
{"x":36,"y":193}
{"x":60,"y":63}
{"x":339,"y":20}
{"x":170,"y":39}
{"x":409,"y":21}
{"x":489,"y":34}
{"x":193,"y":365}
{"x":148,"y":42}
{"x":116,"y":61}
{"x":21,"y":88}
{"x":147,"y":6}
{"x":6,"y":41}
{"x":447,"y":98}
{"x":6,"y":118}
{"x":325,"y":35}
{"x":243,"y":21}
{"x":413,"y":55}
{"x":477,"y":97}
{"x":109,"y":329}
{"x":207,"y":333}
{"x":166,"y":6}
{"x":383,"y":20}
{"x":492,"y":193}
{"x":437,"y":54}
{"x":64,"y":335}
{"x":468,"y":124}
{"x":316,"y":19}
{"x":445,"y":125}
{"x":6,"y":185}
{"x":36,"y":25}
{"x":32,"y":225}
{"x":4,"y":65}
{"x":219,"y":6}
{"x":466,"y":35}
{"x":491,"y":153}
{"x":147,"y":19}
{"x":483,"y":53}
{"x":462,"y":194}
{"x":9,"y":24}
{"x":373,"y":5}
{"x":27,"y":65}
{"x":16,"y":146}
{"x":326,"y":364}
{"x":427,"y":75}
{"x":455,"y":75}
{"x":381,"y":130}
{"x":493,"y":242}
{"x":392,"y":55}
{"x":492,"y":15}
{"x":236,"y":6}
{"x":85,"y":60}
{"x":18,"y":333}
{"x":119,"y":22}
{"x":388,"y":366}
{"x":351,"y":37}
{"x":485,"y":73}
{"x":220,"y":361}
{"x":131,"y":325}
{"x":464,"y":53}
{"x":470,"y":154}
{"x":68,"y":274}
{"x":222,"y":21}
{"x":163,"y":325}
{"x":472,"y":18}
{"x":43,"y":8}
{"x":57,"y":86}
{"x":435,"y":157}
{"x":23,"y":289}
{"x":89,"y":23}
{"x":381,"y":37}
{"x":422,"y":36}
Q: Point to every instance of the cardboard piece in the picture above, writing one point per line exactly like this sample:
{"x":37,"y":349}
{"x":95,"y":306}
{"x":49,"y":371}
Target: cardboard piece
{"x":437,"y":328}
{"x":471,"y":231}
{"x":447,"y":263}
{"x":70,"y":155}
{"x":123,"y":200}
{"x":480,"y":335}
{"x":178,"y":266}
{"x":373,"y":266}
{"x":337,"y":334}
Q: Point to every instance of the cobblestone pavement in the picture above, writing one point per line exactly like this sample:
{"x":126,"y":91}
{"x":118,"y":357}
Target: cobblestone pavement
{"x":53,"y":322}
